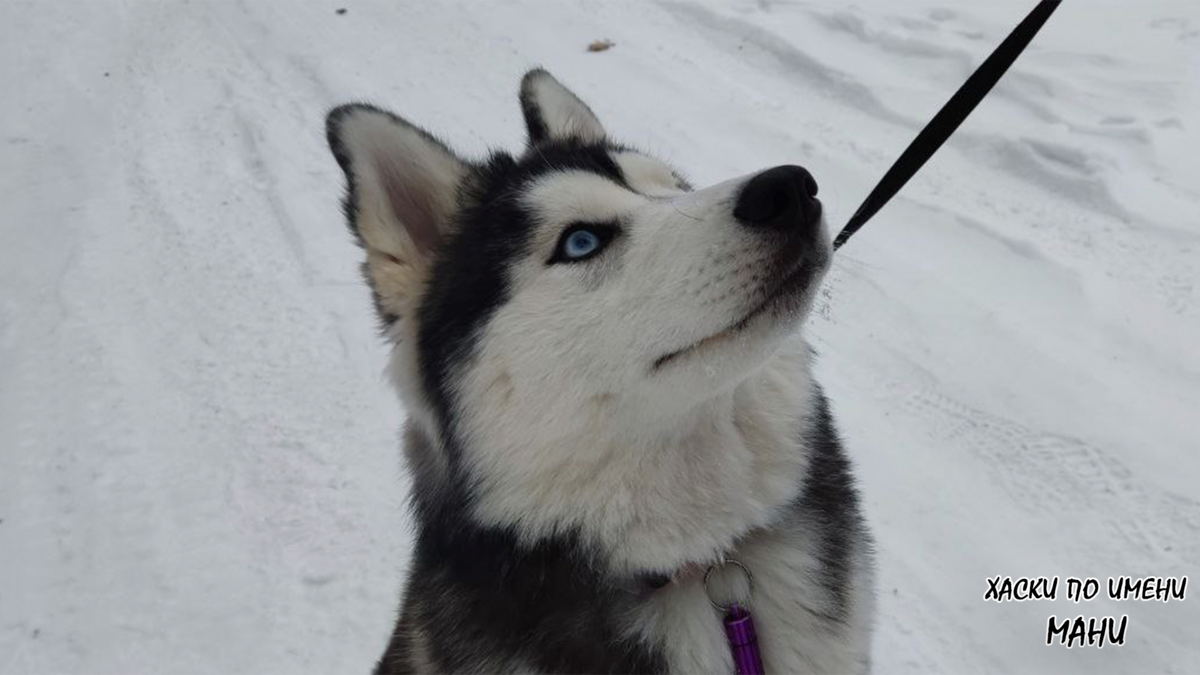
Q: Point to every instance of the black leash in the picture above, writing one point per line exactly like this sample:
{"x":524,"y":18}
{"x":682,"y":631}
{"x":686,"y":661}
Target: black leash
{"x":949,"y":117}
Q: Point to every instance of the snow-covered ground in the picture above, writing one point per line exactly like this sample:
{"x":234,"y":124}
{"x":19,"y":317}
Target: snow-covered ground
{"x":198,"y":453}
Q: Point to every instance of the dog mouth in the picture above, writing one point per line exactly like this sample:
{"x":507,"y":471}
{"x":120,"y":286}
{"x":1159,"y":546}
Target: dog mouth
{"x":784,"y":297}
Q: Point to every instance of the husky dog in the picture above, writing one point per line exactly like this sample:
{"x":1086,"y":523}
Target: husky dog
{"x":607,"y":396}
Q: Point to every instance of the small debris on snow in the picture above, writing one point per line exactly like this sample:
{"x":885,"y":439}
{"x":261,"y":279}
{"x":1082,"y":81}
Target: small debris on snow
{"x":340,"y":11}
{"x":600,"y":45}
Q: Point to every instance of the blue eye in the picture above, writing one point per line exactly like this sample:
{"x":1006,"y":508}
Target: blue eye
{"x":582,"y":241}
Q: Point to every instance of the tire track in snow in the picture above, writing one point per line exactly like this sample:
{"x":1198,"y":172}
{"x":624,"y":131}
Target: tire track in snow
{"x":1067,"y":478}
{"x":735,"y":36}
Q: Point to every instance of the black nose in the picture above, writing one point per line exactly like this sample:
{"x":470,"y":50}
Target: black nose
{"x":783,"y":199}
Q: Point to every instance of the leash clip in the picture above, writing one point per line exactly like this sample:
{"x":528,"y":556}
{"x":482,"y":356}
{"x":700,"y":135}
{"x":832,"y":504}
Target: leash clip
{"x":739,"y":626}
{"x":724,"y":563}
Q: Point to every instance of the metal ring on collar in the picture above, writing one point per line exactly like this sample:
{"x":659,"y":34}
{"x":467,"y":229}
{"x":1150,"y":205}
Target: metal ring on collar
{"x":749,"y":581}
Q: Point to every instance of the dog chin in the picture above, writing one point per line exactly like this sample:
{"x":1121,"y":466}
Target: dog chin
{"x":776,"y":315}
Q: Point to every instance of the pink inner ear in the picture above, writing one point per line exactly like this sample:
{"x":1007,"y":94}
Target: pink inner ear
{"x":414,"y":200}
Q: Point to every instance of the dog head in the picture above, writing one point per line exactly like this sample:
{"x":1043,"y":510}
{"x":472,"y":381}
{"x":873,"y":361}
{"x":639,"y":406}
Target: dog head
{"x":555,"y":311}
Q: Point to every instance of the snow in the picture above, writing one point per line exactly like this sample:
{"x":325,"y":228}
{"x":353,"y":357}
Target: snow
{"x":198,"y":451}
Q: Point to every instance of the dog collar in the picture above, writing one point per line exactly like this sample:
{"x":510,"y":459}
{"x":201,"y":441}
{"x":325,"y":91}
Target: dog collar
{"x":688,"y":572}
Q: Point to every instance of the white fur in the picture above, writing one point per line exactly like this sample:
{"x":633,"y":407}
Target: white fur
{"x":646,"y":175}
{"x":569,"y":429}
{"x":790,"y":608}
{"x":568,"y":426}
{"x":654,"y":487}
{"x":406,"y":197}
{"x":563,"y":113}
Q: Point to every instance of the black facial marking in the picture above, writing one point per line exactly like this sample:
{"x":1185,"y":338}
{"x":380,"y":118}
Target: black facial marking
{"x":470,"y":279}
{"x":547,"y":604}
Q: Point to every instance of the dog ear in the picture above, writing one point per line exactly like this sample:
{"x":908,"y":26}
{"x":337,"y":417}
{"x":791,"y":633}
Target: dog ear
{"x":401,"y":193}
{"x":552,"y":112}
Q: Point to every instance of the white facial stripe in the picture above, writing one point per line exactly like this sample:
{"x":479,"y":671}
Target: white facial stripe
{"x":565,"y":197}
{"x":647,"y":175}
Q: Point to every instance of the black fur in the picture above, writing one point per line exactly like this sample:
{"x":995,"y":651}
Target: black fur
{"x":547,"y":598}
{"x":831,"y":498}
{"x":535,"y":124}
{"x":484,"y":601}
{"x":471,"y":268}
{"x":341,"y":153}
{"x":480,"y":598}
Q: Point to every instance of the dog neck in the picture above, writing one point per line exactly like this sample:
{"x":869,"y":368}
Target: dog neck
{"x":650,"y":497}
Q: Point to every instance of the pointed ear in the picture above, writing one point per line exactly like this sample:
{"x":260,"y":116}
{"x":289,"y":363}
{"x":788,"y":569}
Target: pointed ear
{"x":552,"y":112}
{"x":401,"y":195}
